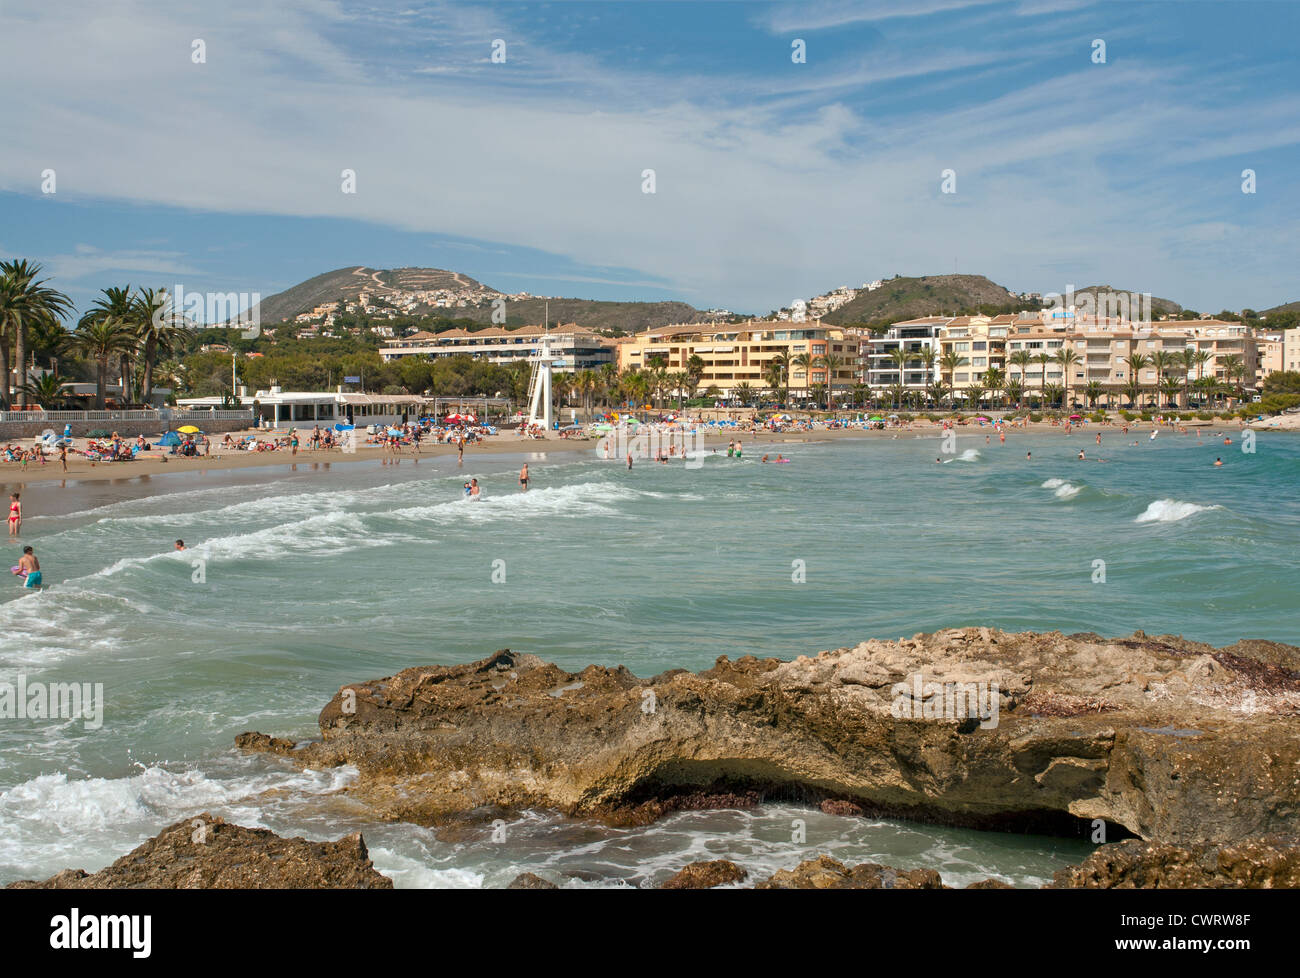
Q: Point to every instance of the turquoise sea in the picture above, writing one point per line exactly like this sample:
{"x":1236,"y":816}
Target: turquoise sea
{"x":327,"y":575}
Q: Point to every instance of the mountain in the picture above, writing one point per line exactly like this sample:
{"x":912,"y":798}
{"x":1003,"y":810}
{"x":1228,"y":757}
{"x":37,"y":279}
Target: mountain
{"x":1159,"y":307}
{"x":1285,"y":307}
{"x":407,"y":285}
{"x":348,"y":283}
{"x":910,"y":298}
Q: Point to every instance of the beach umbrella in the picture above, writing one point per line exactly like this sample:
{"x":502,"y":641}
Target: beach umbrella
{"x":1073,"y":417}
{"x":876,"y":418}
{"x":189,"y":429}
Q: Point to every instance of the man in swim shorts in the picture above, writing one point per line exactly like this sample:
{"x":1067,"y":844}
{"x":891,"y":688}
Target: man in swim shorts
{"x":31,"y":567}
{"x":523,"y":478}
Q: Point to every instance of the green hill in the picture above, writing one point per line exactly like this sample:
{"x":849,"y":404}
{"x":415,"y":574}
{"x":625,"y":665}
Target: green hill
{"x":348,"y":283}
{"x":926,"y":295}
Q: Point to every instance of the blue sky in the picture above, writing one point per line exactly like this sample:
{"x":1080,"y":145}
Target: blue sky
{"x":775,"y":180}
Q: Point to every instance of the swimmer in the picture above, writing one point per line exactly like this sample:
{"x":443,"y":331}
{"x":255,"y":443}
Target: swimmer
{"x":180,"y":545}
{"x":30,"y":568}
{"x":1029,"y":456}
{"x":1218,"y":461}
{"x":474,"y":489}
{"x":1080,"y":453}
{"x":764,"y":458}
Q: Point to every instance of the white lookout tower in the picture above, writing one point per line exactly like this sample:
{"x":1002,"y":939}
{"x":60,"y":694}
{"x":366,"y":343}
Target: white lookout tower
{"x":539,"y":383}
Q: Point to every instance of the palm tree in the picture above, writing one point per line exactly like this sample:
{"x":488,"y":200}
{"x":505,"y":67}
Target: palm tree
{"x":1137,"y":362}
{"x":805,"y":362}
{"x":1203,"y":357}
{"x":928,"y":357}
{"x":1164,"y":361}
{"x":975,"y":394}
{"x":1015,"y":391}
{"x":104,"y":332}
{"x":860,"y":394}
{"x":1093,"y":392}
{"x":24,"y":301}
{"x":1022,"y":359}
{"x":994,"y":380}
{"x":831,"y":362}
{"x":154,"y":331}
{"x":1187,"y":360}
{"x":695,"y":367}
{"x":50,"y":339}
{"x":773,"y":376}
{"x":46,"y":390}
{"x":744,"y":393}
{"x":680,"y":381}
{"x":1043,"y":359}
{"x":1067,"y":357}
{"x":896,"y":394}
{"x":818,"y":392}
{"x":937,"y":390}
{"x":1233,"y":369}
{"x":1053,"y":393}
{"x":1171,"y":388}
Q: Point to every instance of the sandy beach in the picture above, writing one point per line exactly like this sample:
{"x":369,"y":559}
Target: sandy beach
{"x":15,"y":478}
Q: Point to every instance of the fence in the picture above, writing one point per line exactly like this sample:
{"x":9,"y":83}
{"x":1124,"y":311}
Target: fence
{"x":165,"y":418}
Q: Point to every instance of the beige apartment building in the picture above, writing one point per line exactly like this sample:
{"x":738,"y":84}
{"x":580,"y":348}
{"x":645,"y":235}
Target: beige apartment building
{"x":1279,"y":351}
{"x":740,"y":353}
{"x":1102,"y":350}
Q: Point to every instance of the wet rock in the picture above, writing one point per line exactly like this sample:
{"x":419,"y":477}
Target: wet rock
{"x":204,"y":852}
{"x":1270,"y":863}
{"x":1171,"y":740}
{"x":825,"y":873}
{"x":704,"y":875}
{"x":531,"y":881}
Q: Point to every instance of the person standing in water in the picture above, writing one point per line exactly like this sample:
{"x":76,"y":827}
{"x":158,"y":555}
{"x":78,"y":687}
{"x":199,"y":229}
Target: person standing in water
{"x":629,"y":461}
{"x":15,"y":515}
{"x":30,"y":567}
{"x":523,"y":478}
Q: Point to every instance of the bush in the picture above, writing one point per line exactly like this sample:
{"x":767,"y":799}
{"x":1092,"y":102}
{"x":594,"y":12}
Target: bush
{"x":1127,"y":415}
{"x":1097,"y":416}
{"x":1146,"y":416}
{"x":1035,"y":417}
{"x":1277,"y":403}
{"x":1204,"y":415}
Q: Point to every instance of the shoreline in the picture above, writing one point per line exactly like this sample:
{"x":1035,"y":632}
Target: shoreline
{"x":80,"y":470}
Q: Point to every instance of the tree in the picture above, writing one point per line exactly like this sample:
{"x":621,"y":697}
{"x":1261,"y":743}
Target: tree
{"x":975,"y":396}
{"x":773,"y":377}
{"x":1053,"y":393}
{"x":805,"y":362}
{"x":831,"y":362}
{"x":154,"y":332}
{"x":1171,"y":388}
{"x":1043,"y":359}
{"x":46,"y":390}
{"x":1233,"y":369}
{"x":744,"y":393}
{"x":1022,"y":359}
{"x":24,"y":300}
{"x":1137,"y":362}
{"x":1093,"y":392}
{"x":994,"y":380}
{"x":104,"y":332}
{"x":1067,"y":358}
{"x":1187,"y":360}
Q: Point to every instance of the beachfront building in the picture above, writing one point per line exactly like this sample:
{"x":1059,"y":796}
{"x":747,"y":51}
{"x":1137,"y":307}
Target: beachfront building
{"x":879,"y":355}
{"x":573,"y":347}
{"x":739,"y":355}
{"x":975,"y":345}
{"x":1105,"y":351}
{"x":276,"y":408}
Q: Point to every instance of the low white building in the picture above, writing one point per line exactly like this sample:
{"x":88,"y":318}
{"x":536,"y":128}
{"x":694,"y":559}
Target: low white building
{"x":305,"y":409}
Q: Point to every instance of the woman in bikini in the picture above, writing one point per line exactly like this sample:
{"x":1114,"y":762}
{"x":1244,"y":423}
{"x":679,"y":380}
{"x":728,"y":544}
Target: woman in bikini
{"x":15,"y":514}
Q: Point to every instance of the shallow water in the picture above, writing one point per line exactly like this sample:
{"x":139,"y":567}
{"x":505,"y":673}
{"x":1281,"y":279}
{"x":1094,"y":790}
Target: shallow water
{"x":310,"y":581}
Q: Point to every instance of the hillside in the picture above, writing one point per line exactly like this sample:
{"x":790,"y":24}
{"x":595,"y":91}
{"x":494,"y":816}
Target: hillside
{"x":627,"y":316}
{"x":1159,"y":306}
{"x":347,"y":283}
{"x":910,"y":298}
{"x":1285,"y":307}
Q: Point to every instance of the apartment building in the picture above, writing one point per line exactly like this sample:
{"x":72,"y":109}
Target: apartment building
{"x":979,"y":341}
{"x":880,"y":368}
{"x":1278,"y":351}
{"x":572,"y":347}
{"x":741,"y":353}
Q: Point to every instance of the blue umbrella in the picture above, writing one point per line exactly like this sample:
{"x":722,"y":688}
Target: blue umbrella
{"x":170,"y":439}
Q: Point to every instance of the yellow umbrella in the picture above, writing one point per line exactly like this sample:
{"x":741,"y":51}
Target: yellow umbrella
{"x":189,"y":429}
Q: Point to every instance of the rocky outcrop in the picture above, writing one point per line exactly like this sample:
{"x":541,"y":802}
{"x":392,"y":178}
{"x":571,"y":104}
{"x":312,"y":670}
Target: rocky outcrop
{"x":209,"y":853}
{"x":531,"y":881}
{"x":1172,"y":740}
{"x":825,"y":873}
{"x":705,"y":875}
{"x":1272,"y":863}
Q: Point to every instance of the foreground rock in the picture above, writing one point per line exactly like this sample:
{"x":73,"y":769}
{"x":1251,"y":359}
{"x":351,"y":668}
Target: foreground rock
{"x":209,"y":853}
{"x":1173,"y":740}
{"x":825,"y":873}
{"x":705,"y":875}
{"x":1251,"y":864}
